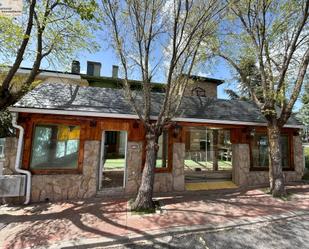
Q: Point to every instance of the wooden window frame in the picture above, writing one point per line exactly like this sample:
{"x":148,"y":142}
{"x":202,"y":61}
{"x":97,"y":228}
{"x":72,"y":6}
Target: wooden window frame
{"x":291,"y":153}
{"x":28,"y":149}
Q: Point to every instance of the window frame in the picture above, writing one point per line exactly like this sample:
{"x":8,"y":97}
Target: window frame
{"x":290,"y":148}
{"x":49,"y":121}
{"x":169,"y":167}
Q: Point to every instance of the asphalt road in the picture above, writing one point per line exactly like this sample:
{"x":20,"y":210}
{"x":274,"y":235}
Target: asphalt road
{"x":284,"y":234}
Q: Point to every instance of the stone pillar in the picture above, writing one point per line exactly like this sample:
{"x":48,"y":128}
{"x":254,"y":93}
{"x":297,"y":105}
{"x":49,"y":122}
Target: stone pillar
{"x":241,"y":164}
{"x":10,"y":150}
{"x":299,"y":167}
{"x":178,"y":167}
{"x":134,"y":166}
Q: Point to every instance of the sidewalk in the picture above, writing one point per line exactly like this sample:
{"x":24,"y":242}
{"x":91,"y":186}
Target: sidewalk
{"x":99,"y":222}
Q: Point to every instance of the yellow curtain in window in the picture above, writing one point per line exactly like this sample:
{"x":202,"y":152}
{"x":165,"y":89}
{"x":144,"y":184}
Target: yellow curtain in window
{"x":68,"y":132}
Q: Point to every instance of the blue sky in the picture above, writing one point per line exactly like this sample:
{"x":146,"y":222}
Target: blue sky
{"x":219,"y":70}
{"x":107,"y":58}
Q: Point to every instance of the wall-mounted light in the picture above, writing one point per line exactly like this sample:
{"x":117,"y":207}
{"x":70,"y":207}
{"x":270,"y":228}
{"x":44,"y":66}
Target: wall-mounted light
{"x":252,"y":132}
{"x":135,"y":125}
{"x":177,"y":130}
{"x":93,"y":123}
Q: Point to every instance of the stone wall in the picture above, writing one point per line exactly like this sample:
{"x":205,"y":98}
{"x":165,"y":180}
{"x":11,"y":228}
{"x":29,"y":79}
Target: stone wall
{"x":164,"y":182}
{"x":10,"y":150}
{"x":209,"y":87}
{"x":242,"y":176}
{"x":70,"y":186}
{"x":241,"y":164}
{"x":134,"y":163}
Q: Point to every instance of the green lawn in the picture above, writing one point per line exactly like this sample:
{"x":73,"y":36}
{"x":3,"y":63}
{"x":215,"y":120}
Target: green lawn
{"x":223,"y":165}
{"x":114,"y":164}
{"x":119,"y":164}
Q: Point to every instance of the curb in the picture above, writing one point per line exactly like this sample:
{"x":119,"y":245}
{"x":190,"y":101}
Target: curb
{"x":156,"y":235}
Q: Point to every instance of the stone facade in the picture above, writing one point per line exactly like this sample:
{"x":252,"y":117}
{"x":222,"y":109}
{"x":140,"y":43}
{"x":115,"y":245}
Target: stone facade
{"x":134,"y":162}
{"x":164,"y":182}
{"x":242,"y":176}
{"x":241,"y":164}
{"x":209,"y":89}
{"x":10,"y":150}
{"x":70,"y":186}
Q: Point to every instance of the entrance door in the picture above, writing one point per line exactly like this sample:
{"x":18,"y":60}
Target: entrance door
{"x":208,"y":154}
{"x":113,"y":160}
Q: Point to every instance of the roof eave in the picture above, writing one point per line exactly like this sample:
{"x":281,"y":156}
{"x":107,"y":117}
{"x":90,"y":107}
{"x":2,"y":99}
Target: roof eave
{"x":134,"y":116}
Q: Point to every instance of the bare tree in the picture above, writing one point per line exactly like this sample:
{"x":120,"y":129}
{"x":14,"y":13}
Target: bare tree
{"x":274,"y":34}
{"x":140,"y":31}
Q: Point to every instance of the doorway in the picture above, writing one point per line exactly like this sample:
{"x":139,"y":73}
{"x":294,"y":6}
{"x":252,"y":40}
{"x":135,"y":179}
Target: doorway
{"x":208,"y":154}
{"x":113,"y":160}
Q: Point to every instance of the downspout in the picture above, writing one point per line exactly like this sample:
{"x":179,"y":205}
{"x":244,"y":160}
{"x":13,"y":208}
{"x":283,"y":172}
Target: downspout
{"x":18,"y":157}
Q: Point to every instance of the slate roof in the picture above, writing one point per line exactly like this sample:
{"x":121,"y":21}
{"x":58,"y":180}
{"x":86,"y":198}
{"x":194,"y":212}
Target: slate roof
{"x":112,"y":101}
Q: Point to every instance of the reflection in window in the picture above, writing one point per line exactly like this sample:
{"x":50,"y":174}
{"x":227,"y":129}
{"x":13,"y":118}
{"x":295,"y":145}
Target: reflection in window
{"x":260,"y":150}
{"x":162,"y":155}
{"x":208,"y":149}
{"x":55,"y":147}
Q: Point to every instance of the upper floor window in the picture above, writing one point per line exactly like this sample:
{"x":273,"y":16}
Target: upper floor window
{"x":55,"y":147}
{"x":260,"y":151}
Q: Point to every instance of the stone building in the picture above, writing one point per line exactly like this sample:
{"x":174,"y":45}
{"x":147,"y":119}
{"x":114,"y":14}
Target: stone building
{"x":82,"y":141}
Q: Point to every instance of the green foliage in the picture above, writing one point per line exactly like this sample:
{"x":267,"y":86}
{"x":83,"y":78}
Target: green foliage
{"x":85,"y":9}
{"x":249,"y":70}
{"x":68,"y":29}
{"x":6,"y":128}
{"x":10,"y":36}
{"x":304,"y":111}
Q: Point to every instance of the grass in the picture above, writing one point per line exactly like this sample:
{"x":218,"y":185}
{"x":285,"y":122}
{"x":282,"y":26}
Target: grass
{"x":119,"y":164}
{"x":223,"y":165}
{"x":114,"y":164}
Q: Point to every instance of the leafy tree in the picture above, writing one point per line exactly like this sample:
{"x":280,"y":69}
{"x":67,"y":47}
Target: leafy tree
{"x":303,"y":114}
{"x":139,"y":31}
{"x":250,"y":71}
{"x":55,"y":30}
{"x":275,"y":33}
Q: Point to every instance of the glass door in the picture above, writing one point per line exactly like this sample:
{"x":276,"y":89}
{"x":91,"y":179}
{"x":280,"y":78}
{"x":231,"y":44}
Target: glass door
{"x":113,"y":161}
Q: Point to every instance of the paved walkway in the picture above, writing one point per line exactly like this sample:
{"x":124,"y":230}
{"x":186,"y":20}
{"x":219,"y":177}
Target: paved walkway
{"x":98,"y":222}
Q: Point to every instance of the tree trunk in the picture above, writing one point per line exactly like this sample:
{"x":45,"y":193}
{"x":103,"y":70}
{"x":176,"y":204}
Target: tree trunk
{"x":144,"y":200}
{"x":4,"y":92}
{"x":276,"y":177}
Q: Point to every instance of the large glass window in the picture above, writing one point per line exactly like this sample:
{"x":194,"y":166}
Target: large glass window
{"x":55,"y":147}
{"x":208,"y":149}
{"x":260,"y":150}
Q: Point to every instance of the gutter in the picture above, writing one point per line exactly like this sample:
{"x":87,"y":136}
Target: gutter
{"x":18,"y":157}
{"x":90,"y":113}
